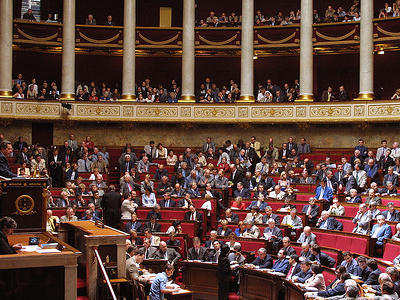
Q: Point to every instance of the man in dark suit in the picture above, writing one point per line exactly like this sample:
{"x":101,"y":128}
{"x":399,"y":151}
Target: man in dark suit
{"x":208,"y":144}
{"x":109,"y":21}
{"x":23,"y":156}
{"x":281,"y":264}
{"x":152,"y":225}
{"x":194,"y":215}
{"x":55,"y":163}
{"x":311,"y":210}
{"x":241,"y":191}
{"x":343,"y":95}
{"x":391,"y":214}
{"x":197,"y":252}
{"x":322,"y":258}
{"x":375,"y":272}
{"x":293,"y":178}
{"x":236,"y":177}
{"x":231,"y":216}
{"x":250,"y":154}
{"x":305,"y":272}
{"x":331,"y":181}
{"x":209,"y":244}
{"x":306,"y":251}
{"x":127,"y":164}
{"x":249,"y":182}
{"x":263,"y":260}
{"x":133,"y":224}
{"x":392,"y":177}
{"x":160,"y":172}
{"x":284,"y":153}
{"x":164,"y":186}
{"x":111,"y":203}
{"x":291,"y":144}
{"x":167,"y":201}
{"x":329,"y":223}
{"x":386,"y":161}
{"x":268,"y":182}
{"x":339,"y":175}
{"x":269,"y":215}
{"x":18,"y":145}
{"x":128,"y":185}
{"x":294,"y":266}
{"x":167,"y":253}
{"x":286,"y":245}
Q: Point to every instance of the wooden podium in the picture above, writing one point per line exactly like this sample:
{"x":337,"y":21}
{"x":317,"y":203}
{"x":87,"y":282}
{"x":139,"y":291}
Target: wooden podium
{"x":25,"y":200}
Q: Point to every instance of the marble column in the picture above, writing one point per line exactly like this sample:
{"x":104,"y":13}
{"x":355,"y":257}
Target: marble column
{"x":68,"y":51}
{"x":6,"y":40}
{"x":128,"y":59}
{"x":306,"y":52}
{"x":247,"y":52}
{"x":366,"y":51}
{"x":188,"y":52}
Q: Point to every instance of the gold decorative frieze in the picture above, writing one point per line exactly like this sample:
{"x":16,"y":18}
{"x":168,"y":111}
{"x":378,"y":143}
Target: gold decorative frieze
{"x":243,"y":112}
{"x":359,"y":110}
{"x":216,"y":112}
{"x":38,"y":109}
{"x":186,"y":112}
{"x":157,"y":112}
{"x":384,"y":110}
{"x":277,"y":112}
{"x":301,"y":111}
{"x":98,"y":110}
{"x":128,"y":111}
{"x":6,"y":108}
{"x":330,"y":111}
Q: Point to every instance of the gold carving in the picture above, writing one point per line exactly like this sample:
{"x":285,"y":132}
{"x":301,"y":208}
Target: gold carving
{"x":278,"y":41}
{"x":187,"y":125}
{"x":128,"y":111}
{"x":156,"y":42}
{"x":157,"y":112}
{"x":272,"y":112}
{"x":243,"y":112}
{"x":41,"y":109}
{"x":245,"y":126}
{"x":84,"y":110}
{"x":384,"y":110}
{"x":304,"y":126}
{"x":324,"y":111}
{"x":66,"y":124}
{"x":186,"y":112}
{"x":6,"y":107}
{"x":24,"y":205}
{"x":128,"y":125}
{"x":301,"y":111}
{"x":228,"y":112}
{"x":359,"y":110}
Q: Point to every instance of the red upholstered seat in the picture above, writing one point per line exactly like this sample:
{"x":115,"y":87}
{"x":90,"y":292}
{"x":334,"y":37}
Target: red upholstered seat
{"x":348,"y":225}
{"x":359,"y":246}
{"x":391,"y":252}
{"x":329,"y":278}
{"x":343,"y":243}
{"x":303,"y":188}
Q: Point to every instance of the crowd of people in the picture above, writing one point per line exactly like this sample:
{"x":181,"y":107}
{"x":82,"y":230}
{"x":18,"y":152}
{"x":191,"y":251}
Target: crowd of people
{"x":251,"y":172}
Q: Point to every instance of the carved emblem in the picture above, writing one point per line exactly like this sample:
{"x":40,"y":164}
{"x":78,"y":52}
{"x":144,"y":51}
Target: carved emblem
{"x":24,"y":205}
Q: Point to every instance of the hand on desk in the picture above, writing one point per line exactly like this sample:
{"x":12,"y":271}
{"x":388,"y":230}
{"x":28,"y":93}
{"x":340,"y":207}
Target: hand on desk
{"x":17,"y":246}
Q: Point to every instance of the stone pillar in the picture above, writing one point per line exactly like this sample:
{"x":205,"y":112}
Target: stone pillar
{"x":366,"y":51}
{"x":68,"y":52}
{"x":6,"y":40}
{"x":128,"y":59}
{"x":306,"y":52}
{"x":188,"y":52}
{"x":247,"y":52}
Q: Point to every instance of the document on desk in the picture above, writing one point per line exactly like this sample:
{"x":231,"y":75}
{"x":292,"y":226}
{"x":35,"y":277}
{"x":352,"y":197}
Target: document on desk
{"x":30,"y":248}
{"x":48,"y":251}
{"x":267,"y":235}
{"x":182,"y":291}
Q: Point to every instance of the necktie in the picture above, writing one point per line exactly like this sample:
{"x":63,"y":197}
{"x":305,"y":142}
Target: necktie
{"x":340,"y":173}
{"x":147,"y":253}
{"x":129,"y":187}
{"x":196,"y":255}
{"x":357,"y":177}
{"x":152,"y":227}
{"x":167,"y":203}
{"x":309,"y":210}
{"x":289,"y":275}
{"x":145,"y":168}
{"x":192,"y":218}
{"x":127,"y":167}
{"x":86,"y":167}
{"x":262,"y":168}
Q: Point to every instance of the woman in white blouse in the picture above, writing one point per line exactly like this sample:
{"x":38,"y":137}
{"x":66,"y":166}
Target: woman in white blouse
{"x":161,"y":151}
{"x":317,"y":279}
{"x":171,"y":158}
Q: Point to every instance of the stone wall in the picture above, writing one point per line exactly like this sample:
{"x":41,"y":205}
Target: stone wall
{"x":193,"y":135}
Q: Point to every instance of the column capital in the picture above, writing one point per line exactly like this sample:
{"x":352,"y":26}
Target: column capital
{"x":187,"y":98}
{"x":365,"y":97}
{"x":305,"y":98}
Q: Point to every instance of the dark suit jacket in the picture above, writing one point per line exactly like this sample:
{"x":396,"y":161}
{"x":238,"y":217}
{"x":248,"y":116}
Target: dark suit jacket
{"x":5,"y":247}
{"x":228,"y":231}
{"x":343,"y":96}
{"x":373,"y":277}
{"x":224,"y":269}
{"x":129,"y":226}
{"x":199,"y":216}
{"x":244,"y":193}
{"x":333,"y":224}
{"x":266,"y":263}
{"x":172,"y":256}
{"x":69,"y":174}
{"x":281,"y":153}
{"x":356,"y":199}
{"x":235,"y":218}
{"x":123,"y":169}
{"x":395,"y":179}
{"x":203,"y":254}
{"x":172,"y":203}
{"x":338,"y":290}
{"x":384,"y":164}
{"x":269,"y":183}
{"x":251,"y":154}
{"x":394,"y":217}
{"x":17,"y":146}
{"x":314,"y":211}
{"x":5,"y":170}
{"x":238,"y":177}
{"x":273,"y":216}
{"x":158,"y":175}
{"x":325,"y":260}
{"x":291,"y":146}
{"x":107,"y":24}
{"x":337,"y":177}
{"x":208,"y":243}
{"x":246,"y":183}
{"x":165,"y":187}
{"x":157,"y":226}
{"x":302,"y":277}
{"x":20,"y":158}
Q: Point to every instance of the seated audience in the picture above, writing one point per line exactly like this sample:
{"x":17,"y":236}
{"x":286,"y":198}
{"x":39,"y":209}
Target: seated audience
{"x":307,"y":236}
{"x":197,"y":252}
{"x":336,"y":209}
{"x":329,"y":223}
{"x":263,"y":260}
{"x":322,"y":258}
{"x":316,"y":280}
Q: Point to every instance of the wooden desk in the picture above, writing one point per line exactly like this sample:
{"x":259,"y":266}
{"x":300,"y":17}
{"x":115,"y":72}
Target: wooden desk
{"x":259,"y":285}
{"x":157,"y":265}
{"x":111,"y":243}
{"x":50,"y":275}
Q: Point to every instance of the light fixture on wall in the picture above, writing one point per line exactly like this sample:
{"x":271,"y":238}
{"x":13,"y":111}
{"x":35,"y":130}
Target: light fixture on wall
{"x":255,"y":56}
{"x":381,"y":51}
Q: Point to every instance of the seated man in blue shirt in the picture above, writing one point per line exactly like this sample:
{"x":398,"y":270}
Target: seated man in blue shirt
{"x":350,"y":264}
{"x":281,"y":264}
{"x":159,"y":286}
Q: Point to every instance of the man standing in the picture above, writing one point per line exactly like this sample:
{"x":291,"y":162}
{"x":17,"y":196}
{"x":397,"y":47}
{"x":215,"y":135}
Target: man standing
{"x":5,"y":151}
{"x":111,"y":202}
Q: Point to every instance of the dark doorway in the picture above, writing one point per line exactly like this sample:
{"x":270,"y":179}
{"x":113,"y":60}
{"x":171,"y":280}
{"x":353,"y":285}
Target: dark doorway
{"x":42,"y":133}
